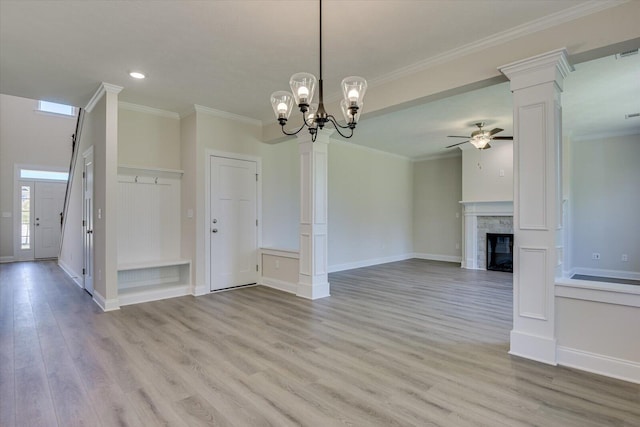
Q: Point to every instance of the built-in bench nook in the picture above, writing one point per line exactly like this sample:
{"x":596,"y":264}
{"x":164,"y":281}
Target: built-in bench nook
{"x":149,"y":263}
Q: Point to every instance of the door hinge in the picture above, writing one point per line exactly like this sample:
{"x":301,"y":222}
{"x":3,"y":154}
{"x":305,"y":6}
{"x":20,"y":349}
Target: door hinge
{"x":83,"y":223}
{"x":256,"y":177}
{"x":83,"y":272}
{"x":83,"y":174}
{"x":257,"y":267}
{"x":256,"y":222}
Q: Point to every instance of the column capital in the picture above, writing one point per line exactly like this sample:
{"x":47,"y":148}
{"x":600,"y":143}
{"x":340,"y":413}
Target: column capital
{"x":544,"y":68}
{"x":322,"y":137}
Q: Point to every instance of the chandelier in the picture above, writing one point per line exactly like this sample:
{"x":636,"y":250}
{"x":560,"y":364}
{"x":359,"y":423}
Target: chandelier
{"x":480,"y":140}
{"x":314,"y":116}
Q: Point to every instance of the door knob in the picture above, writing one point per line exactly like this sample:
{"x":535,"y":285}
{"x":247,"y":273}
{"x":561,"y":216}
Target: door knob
{"x":89,"y":231}
{"x":37,"y":224}
{"x":214,"y":230}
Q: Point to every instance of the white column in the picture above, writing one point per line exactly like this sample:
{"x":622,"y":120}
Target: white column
{"x":536,"y":84}
{"x":313,"y":280}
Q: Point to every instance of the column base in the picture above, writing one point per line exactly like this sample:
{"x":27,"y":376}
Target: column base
{"x":315,"y":291}
{"x":534,"y":347}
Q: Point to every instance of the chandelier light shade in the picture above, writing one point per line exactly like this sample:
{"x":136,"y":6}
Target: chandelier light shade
{"x":314,"y":115}
{"x":480,"y":140}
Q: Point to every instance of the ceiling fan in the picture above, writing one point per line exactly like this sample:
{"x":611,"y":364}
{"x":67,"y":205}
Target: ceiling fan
{"x":480,"y":138}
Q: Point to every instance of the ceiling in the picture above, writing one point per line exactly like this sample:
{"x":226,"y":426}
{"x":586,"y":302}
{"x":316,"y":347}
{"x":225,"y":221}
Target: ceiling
{"x":231,"y":55}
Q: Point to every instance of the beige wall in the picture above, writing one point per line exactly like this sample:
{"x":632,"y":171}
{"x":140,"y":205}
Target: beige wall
{"x":482,"y":170}
{"x":605,"y":201}
{"x":31,"y":138}
{"x":437,"y":213}
{"x":370,"y":206}
{"x":148,"y":140}
{"x":599,"y":328}
{"x":281,"y":195}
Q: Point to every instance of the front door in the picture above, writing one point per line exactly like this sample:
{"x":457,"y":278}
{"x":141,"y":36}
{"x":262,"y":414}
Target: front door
{"x":233,"y":226}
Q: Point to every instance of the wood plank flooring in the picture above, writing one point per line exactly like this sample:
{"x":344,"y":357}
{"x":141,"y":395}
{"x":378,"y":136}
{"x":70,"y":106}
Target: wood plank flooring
{"x":412,"y":343}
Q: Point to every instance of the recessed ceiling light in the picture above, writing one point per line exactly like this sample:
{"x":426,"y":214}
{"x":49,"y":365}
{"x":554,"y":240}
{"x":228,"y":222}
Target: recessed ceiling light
{"x":137,"y":75}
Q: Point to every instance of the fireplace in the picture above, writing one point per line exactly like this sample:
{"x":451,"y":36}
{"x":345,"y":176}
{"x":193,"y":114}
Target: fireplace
{"x":500,"y":252}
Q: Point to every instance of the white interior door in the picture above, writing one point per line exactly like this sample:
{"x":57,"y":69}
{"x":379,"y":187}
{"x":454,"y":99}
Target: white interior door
{"x":48,"y":205}
{"x":87,"y":221}
{"x":233,"y":226}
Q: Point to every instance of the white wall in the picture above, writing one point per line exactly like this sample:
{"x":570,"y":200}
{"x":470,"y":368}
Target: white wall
{"x":27,"y":137}
{"x":605,"y":201}
{"x":482,"y":178}
{"x":370,"y":206}
{"x":437,"y":213}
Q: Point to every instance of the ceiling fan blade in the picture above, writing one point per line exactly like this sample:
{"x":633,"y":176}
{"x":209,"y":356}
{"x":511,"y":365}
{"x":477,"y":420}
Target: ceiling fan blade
{"x":459,"y":143}
{"x":494,"y":131}
{"x":504,"y":138}
{"x":457,"y":136}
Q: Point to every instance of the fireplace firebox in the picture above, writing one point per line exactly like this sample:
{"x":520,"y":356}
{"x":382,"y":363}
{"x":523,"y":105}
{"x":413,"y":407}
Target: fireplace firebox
{"x":500,"y":252}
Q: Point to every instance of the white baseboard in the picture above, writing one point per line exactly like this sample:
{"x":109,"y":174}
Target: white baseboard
{"x":104,"y":304}
{"x":4,"y":259}
{"x":77,"y":278}
{"x":317,"y":291}
{"x":280,"y":285}
{"x":368,"y":262}
{"x":599,"y":364}
{"x":598,"y":272}
{"x":199,"y":290}
{"x":147,"y":295}
{"x":436,"y":257}
{"x":534,"y":347}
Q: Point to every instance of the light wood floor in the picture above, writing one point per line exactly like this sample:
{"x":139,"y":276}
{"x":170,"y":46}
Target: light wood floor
{"x":409,"y":343}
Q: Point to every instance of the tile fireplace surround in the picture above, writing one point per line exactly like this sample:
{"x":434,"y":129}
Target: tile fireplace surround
{"x":479,"y":219}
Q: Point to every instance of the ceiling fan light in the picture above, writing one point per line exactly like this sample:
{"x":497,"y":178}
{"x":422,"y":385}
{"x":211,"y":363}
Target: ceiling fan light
{"x":303,"y":85}
{"x":480,"y":141}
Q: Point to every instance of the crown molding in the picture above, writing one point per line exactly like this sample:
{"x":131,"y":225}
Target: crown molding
{"x":149,"y":110}
{"x":449,"y":155}
{"x":365,"y":148}
{"x":222,"y":114}
{"x":535,"y":26}
{"x":604,"y":135}
{"x":104,"y":88}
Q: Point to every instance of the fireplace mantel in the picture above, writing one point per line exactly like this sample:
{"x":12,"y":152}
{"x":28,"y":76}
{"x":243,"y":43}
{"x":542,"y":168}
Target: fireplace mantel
{"x":473,"y":210}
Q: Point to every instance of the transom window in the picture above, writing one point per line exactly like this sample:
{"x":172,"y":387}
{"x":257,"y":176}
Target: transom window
{"x":55,"y":108}
{"x":43,"y":175}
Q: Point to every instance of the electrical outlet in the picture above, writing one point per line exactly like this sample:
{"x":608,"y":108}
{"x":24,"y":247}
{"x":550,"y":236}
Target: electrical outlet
{"x":595,"y":255}
{"x":277,"y":264}
{"x":625,"y":257}
{"x":457,"y":245}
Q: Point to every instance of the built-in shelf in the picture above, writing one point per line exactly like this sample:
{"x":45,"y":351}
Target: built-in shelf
{"x":146,"y":171}
{"x":153,"y":280}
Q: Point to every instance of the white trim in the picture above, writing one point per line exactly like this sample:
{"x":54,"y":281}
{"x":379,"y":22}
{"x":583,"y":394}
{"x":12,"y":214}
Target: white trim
{"x":436,"y":257}
{"x":599,"y":272}
{"x":540,"y":24}
{"x":199,"y":290}
{"x":534,"y":347}
{"x":77,"y":278}
{"x":368,"y":262}
{"x":315,"y":291}
{"x":141,"y":170}
{"x":222,"y":114}
{"x":280,"y":285}
{"x":148,"y":110}
{"x":365,"y":148}
{"x":105,"y":305}
{"x":104,"y":88}
{"x":609,"y":293}
{"x":285,"y":253}
{"x":5,"y":259}
{"x":613,"y":367}
{"x":607,"y":135}
{"x":133,"y":296}
{"x":488,"y":208}
{"x":448,"y":155}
